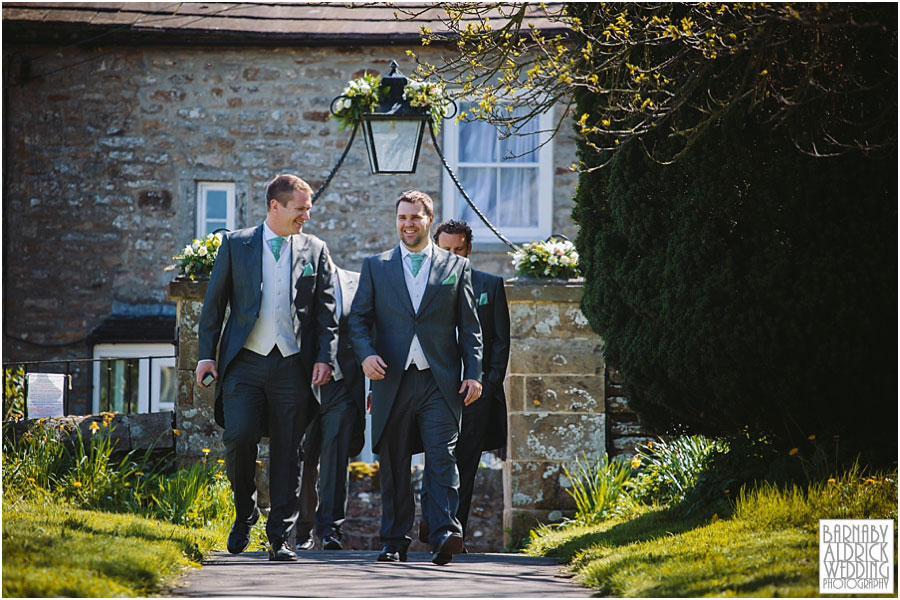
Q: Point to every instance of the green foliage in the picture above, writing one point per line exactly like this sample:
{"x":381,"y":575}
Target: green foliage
{"x":44,"y":464}
{"x":768,"y":548}
{"x":51,"y":549}
{"x":747,"y":287}
{"x":13,"y":392}
{"x":597,"y":486}
{"x":670,"y":470}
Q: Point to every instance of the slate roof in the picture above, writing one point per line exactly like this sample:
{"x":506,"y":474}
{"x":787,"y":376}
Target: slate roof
{"x":223,"y":23}
{"x":134,"y":329}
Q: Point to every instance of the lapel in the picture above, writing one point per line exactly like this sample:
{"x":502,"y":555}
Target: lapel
{"x":440,"y":270}
{"x":348,"y":290}
{"x":299,"y":260}
{"x":253,"y":258}
{"x":394,"y":268}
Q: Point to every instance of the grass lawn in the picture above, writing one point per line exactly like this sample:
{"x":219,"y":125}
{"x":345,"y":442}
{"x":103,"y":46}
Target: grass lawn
{"x":767,"y":548}
{"x":52,"y":550}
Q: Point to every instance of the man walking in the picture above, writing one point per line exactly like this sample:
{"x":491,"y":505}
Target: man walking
{"x":279,"y":339}
{"x":336,"y":433}
{"x":414,"y":327}
{"x":484,"y":422}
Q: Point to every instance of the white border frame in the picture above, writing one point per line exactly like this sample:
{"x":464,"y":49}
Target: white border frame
{"x":214,"y":186}
{"x":544,"y":183}
{"x":145,"y":403}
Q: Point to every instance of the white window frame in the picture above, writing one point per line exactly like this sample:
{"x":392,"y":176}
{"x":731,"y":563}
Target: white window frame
{"x":203,"y":187}
{"x":451,"y":206}
{"x":148,"y":400}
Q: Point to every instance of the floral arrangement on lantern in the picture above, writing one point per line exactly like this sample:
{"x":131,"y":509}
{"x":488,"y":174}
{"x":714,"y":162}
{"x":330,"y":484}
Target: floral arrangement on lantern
{"x":360,"y":96}
{"x":197,"y":258}
{"x":430,"y":96}
{"x":364,"y":93}
{"x":552,"y":258}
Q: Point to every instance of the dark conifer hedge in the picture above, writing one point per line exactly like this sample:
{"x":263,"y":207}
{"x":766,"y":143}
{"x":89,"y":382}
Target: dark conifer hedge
{"x":747,"y":286}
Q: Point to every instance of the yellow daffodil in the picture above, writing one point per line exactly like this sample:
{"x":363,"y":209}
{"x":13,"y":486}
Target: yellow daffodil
{"x":176,"y":432}
{"x":812,"y":437}
{"x":636,"y":462}
{"x":793,"y":451}
{"x":76,"y":484}
{"x":205,"y":450}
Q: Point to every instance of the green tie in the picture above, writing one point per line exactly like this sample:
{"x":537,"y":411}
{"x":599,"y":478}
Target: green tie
{"x":416,"y":260}
{"x":276,"y":246}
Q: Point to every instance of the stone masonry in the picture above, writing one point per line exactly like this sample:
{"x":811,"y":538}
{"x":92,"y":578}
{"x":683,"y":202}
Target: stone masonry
{"x":556,"y":400}
{"x":102,"y":159}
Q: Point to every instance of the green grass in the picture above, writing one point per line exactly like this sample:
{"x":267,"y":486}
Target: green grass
{"x":52,"y":550}
{"x":768,"y":547}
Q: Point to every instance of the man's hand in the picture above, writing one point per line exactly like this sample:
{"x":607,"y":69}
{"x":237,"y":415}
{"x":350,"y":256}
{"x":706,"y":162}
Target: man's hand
{"x":321,"y":373}
{"x":472,"y":389}
{"x":374,"y":367}
{"x":204,"y":367}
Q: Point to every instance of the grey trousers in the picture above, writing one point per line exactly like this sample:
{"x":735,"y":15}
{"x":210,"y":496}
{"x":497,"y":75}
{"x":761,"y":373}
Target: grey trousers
{"x":327,"y":445}
{"x":273,"y":389}
{"x":419,"y":405}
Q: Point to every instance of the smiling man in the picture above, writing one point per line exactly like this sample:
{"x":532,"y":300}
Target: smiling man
{"x":409,"y":306}
{"x":280,"y":338}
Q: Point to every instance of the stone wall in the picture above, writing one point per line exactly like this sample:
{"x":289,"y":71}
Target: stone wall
{"x":555,"y":398}
{"x":102,"y":159}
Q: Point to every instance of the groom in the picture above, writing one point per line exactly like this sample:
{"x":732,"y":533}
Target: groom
{"x":280,"y":338}
{"x":413,"y":325}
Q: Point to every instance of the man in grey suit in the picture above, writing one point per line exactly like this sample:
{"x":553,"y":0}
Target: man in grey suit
{"x":279,"y":339}
{"x":336,"y":433}
{"x":414,"y":328}
{"x":484,"y":422}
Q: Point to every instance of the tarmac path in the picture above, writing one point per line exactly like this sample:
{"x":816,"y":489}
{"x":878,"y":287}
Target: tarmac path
{"x":356,"y":574}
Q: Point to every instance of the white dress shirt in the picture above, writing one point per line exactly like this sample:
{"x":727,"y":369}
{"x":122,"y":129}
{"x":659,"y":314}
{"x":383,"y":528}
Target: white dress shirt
{"x":416,"y":285}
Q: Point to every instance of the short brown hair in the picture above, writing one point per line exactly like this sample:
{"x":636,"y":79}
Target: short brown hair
{"x":422,"y":198}
{"x":454,"y":228}
{"x":282,"y":187}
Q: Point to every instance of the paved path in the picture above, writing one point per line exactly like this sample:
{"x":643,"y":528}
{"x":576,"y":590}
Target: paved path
{"x":356,"y":574}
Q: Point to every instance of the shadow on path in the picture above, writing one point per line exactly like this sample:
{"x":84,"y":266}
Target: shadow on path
{"x":356,"y":574}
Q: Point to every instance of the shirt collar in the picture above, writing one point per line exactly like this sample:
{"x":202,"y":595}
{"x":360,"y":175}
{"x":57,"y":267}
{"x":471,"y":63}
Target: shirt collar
{"x":404,"y":251}
{"x":268,"y":234}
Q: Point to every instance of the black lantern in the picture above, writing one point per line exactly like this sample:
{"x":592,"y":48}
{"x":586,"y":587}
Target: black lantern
{"x":394,"y":130}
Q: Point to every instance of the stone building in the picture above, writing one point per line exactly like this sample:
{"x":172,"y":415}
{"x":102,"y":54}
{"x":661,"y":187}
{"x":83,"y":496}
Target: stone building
{"x":130,"y":129}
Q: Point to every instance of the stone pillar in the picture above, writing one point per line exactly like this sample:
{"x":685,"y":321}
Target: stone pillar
{"x":555,"y":398}
{"x":193,"y":404}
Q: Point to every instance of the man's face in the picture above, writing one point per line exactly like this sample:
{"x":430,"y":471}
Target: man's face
{"x":413,"y":225}
{"x":455,"y":243}
{"x":290,"y":218}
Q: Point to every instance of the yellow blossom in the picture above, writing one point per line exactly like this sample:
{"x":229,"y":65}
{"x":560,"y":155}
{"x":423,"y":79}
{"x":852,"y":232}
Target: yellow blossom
{"x":636,"y":462}
{"x":221,"y":461}
{"x":812,"y":437}
{"x":793,"y":451}
{"x":94,"y":428}
{"x":260,"y":463}
{"x":76,"y":484}
{"x":176,"y":432}
{"x":831,"y":480}
{"x":205,"y":450}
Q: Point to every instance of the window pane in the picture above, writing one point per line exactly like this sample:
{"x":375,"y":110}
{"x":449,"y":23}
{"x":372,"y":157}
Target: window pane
{"x":119,"y":386}
{"x":481,"y":185}
{"x":166,"y":387}
{"x":518,"y":206}
{"x":216,"y":204}
{"x":522,"y":147}
{"x":477,"y":140}
{"x":211,"y":226}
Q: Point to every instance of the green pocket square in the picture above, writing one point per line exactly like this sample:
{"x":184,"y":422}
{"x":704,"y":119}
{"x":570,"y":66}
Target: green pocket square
{"x":307,"y":271}
{"x":451,"y":279}
{"x":482,"y":299}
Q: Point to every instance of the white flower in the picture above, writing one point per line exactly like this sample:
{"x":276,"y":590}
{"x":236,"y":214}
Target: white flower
{"x":202,"y":251}
{"x":188,"y":251}
{"x":553,"y":260}
{"x":574,"y":257}
{"x":533,"y":258}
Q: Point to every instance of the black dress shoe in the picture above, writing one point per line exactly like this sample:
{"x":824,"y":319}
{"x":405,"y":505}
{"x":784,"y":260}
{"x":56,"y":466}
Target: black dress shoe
{"x":281,"y":551}
{"x":239,"y":537}
{"x":307,"y":544}
{"x":450,"y":545}
{"x":331,"y":542}
{"x":424,"y":530}
{"x":392,"y":554}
